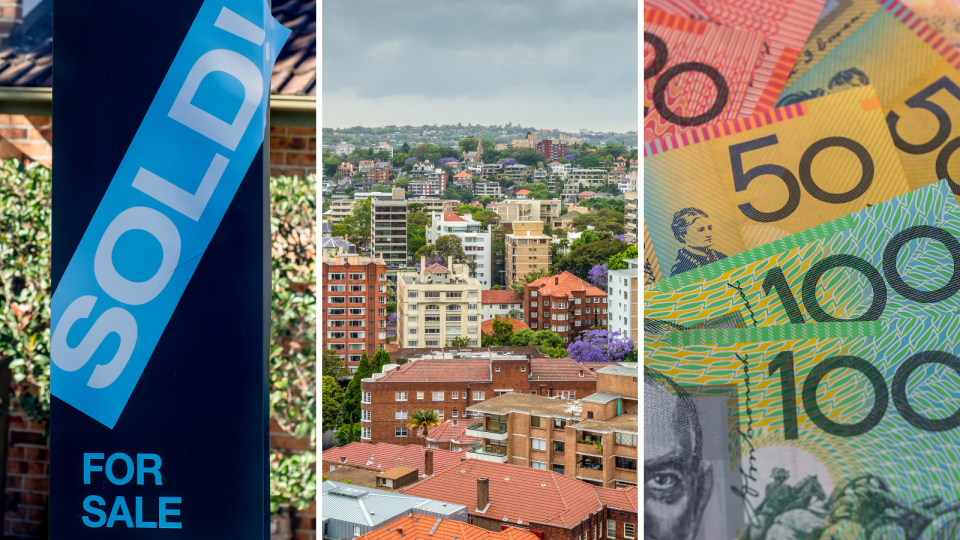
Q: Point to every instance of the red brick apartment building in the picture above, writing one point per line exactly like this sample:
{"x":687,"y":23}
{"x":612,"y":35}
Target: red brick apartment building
{"x":564,"y":304}
{"x":449,"y":382}
{"x":551,"y":149}
{"x":546,"y":503}
{"x":381,"y":176}
{"x":354,"y":304}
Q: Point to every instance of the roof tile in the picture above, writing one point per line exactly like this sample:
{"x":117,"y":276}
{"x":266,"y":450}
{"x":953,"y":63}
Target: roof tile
{"x":421,"y":527}
{"x":503,"y":296}
{"x":383,"y":456}
{"x":486,"y":327}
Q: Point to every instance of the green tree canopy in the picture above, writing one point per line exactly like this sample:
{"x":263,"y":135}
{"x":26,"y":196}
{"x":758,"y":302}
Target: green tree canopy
{"x":616,"y":261}
{"x":502,"y":331}
{"x":332,"y":403}
{"x":583,"y":258}
{"x":446,"y":246}
{"x":517,"y":286}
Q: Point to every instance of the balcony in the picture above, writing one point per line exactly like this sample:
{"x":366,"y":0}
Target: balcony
{"x":478,"y":452}
{"x":493,"y":432}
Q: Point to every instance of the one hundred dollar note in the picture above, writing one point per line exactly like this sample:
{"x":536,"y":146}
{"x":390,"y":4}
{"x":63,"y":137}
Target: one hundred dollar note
{"x":695,"y":73}
{"x":898,"y":259}
{"x":914,"y":70}
{"x":819,"y":431}
{"x":721,"y":190}
{"x":784,"y":24}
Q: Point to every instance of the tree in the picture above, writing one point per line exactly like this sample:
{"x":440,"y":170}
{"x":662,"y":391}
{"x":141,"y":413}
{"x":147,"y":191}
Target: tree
{"x":548,"y":229}
{"x":463,"y":341}
{"x":595,"y":219}
{"x":482,"y":215}
{"x":600,"y":346}
{"x":502,"y":330}
{"x":582,"y":259}
{"x":586,"y":237}
{"x":542,"y":339}
{"x":598,"y":276}
{"x":351,"y":401}
{"x":332,"y":364}
{"x":415,"y":207}
{"x":424,"y":419}
{"x":513,"y":313}
{"x":380,"y":359}
{"x":517,"y":286}
{"x":420,"y":219}
{"x":416,"y":238}
{"x":612,"y":227}
{"x":447,"y":246}
{"x":347,"y":433}
{"x":497,"y":288}
{"x":332,"y":404}
{"x":618,"y":261}
{"x":360,"y":224}
{"x":405,"y":148}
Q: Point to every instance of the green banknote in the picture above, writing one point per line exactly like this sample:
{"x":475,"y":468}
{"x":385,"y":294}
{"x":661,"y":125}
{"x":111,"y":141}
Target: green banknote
{"x":828,"y":431}
{"x":900,"y":258}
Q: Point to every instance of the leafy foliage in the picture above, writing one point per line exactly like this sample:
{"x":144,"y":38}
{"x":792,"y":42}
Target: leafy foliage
{"x":502,"y":331}
{"x":542,"y":339}
{"x":293,"y":479}
{"x":582,"y":259}
{"x":617,"y":262}
{"x":424,"y":419}
{"x":517,"y":285}
{"x":332,"y":403}
{"x":446,"y":246}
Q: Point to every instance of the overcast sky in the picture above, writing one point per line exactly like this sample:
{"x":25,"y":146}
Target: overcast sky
{"x":557,"y":64}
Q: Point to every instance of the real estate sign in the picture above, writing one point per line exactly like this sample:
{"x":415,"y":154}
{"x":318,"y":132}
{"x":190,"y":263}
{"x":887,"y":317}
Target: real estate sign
{"x":160,"y":310}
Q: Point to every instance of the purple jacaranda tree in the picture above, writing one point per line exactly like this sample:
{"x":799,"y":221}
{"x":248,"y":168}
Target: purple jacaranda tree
{"x":508,"y":161}
{"x":408,"y":160}
{"x":571,"y":157}
{"x":447,"y":160}
{"x":600,"y":346}
{"x":620,"y":237}
{"x":598,"y":276}
{"x":392,"y":324}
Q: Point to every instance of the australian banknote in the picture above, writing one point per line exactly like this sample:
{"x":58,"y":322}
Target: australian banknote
{"x":898,"y":259}
{"x":723,"y":189}
{"x":819,"y":431}
{"x":695,"y":73}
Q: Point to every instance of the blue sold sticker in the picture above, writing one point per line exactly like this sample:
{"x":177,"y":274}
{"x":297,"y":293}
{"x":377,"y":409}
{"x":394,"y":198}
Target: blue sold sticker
{"x":163,"y":206}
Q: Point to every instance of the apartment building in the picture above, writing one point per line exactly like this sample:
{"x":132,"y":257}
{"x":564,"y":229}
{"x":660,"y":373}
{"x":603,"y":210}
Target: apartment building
{"x":631,"y":217}
{"x":552,"y":148}
{"x":430,"y":184}
{"x":340,"y":208}
{"x":550,"y":211}
{"x":389,"y":229}
{"x":540,"y":175}
{"x":528,"y":250}
{"x":354,"y":303}
{"x":490,"y":169}
{"x":624,"y":299}
{"x":518,"y":173}
{"x":431,"y":205}
{"x":463,"y":180}
{"x":499,"y":304}
{"x":449,"y":381}
{"x":529,"y":142}
{"x":518,"y":210}
{"x":548,"y":504}
{"x":592,"y":439}
{"x":570,"y":192}
{"x":490,"y":189}
{"x":437,"y":305}
{"x":343,"y":149}
{"x":378,"y":176}
{"x":346,"y":169}
{"x":564,"y":304}
{"x":474,"y":238}
{"x":591,"y":178}
{"x":561,"y":169}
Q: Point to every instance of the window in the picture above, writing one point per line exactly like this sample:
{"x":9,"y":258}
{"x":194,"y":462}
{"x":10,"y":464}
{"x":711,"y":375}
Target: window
{"x":589,"y":414}
{"x":538,"y":444}
{"x":473,"y":294}
{"x":546,"y":326}
{"x":432,"y":307}
{"x":420,"y":396}
{"x":538,"y":421}
{"x":382,"y":312}
{"x":456,"y":395}
{"x":365,"y":415}
{"x":357,"y":335}
{"x":359,"y":277}
{"x":471,"y":318}
{"x":497,"y":369}
{"x":559,"y":423}
{"x":533,"y":304}
{"x":471,"y":306}
{"x":336,"y":346}
{"x":629,"y":530}
{"x":356,"y":346}
{"x":478,"y":396}
{"x":625,"y":439}
{"x":413,"y":331}
{"x":337,"y":288}
{"x":456,"y":412}
{"x":625,"y":463}
{"x":356,"y":288}
{"x":412,"y":294}
{"x":453,"y":330}
{"x":538,"y":465}
{"x":453,"y":318}
{"x":567,"y":394}
{"x":336,"y":300}
{"x":400,"y":396}
{"x":400,"y":415}
{"x":357,"y":300}
{"x":558,"y":446}
{"x":365,"y":397}
{"x":533,"y":294}
{"x":438,"y":396}
{"x":356,"y":311}
{"x":523,"y":369}
{"x":335,"y":335}
{"x":454,"y":294}
{"x":611,"y":528}
{"x":354,"y":357}
{"x":431,"y":330}
{"x":336,"y":311}
{"x":383,"y":277}
{"x":558,"y":468}
{"x":577,"y":301}
{"x":336,"y":277}
{"x":413,"y":307}
{"x":354,"y":323}
{"x":400,"y":432}
{"x":440,"y":415}
{"x":453,"y":308}
{"x":546,"y":303}
{"x":364,"y":434}
{"x":533,"y":324}
{"x":431,"y":294}
{"x":412,"y":342}
{"x":432,"y":343}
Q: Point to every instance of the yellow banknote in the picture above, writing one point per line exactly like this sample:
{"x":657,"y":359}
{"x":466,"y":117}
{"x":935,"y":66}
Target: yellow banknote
{"x":724,"y":189}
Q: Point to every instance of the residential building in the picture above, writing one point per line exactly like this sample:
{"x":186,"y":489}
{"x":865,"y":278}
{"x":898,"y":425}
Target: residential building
{"x":389,"y":229}
{"x":382,"y":457}
{"x":379,"y":176}
{"x":623,"y":300}
{"x":540,"y":175}
{"x":354,"y":302}
{"x":518,"y":210}
{"x":591,"y":178}
{"x":616,"y":175}
{"x":491,"y":169}
{"x":634,"y":164}
{"x":529,"y":142}
{"x":486,"y":327}
{"x":631,"y":216}
{"x":351,"y":511}
{"x":365,"y":165}
{"x":450,"y":380}
{"x":522,"y":194}
{"x":463,"y":180}
{"x":331,"y":247}
{"x":421,"y":169}
{"x":552,"y":148}
{"x":566,"y":220}
{"x":499,"y":303}
{"x":343,"y":149}
{"x":590,"y":439}
{"x":491,"y":189}
{"x":474,"y":238}
{"x":430,"y":184}
{"x":449,"y":435}
{"x":550,"y":211}
{"x":359,"y":196}
{"x":437,"y":305}
{"x":346,"y":169}
{"x":501,"y":146}
{"x":384,"y":147}
{"x":562,"y":169}
{"x":564,"y":304}
{"x":431,"y":205}
{"x":517,"y":173}
{"x":340,"y":207}
{"x":528,"y":250}
{"x":433,"y":528}
{"x":549,"y":504}
{"x":570,"y":192}
{"x":585,"y":195}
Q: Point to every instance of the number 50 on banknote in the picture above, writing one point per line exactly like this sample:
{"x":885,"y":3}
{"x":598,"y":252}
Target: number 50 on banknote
{"x":723,"y":189}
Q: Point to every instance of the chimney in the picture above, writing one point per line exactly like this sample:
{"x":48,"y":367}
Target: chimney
{"x":556,"y":280}
{"x":343,"y":459}
{"x":483,"y":493}
{"x":450,"y":263}
{"x":423,"y":266}
{"x":428,"y":462}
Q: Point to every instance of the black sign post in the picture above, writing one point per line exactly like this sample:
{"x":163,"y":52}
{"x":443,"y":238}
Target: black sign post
{"x":189,"y":452}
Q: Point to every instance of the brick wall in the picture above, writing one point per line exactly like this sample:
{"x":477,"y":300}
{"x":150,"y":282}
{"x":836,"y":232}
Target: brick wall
{"x":26,"y":137}
{"x":28,"y":479}
{"x":304,"y":522}
{"x":11,"y":13}
{"x":293,"y":151}
{"x":627,"y":387}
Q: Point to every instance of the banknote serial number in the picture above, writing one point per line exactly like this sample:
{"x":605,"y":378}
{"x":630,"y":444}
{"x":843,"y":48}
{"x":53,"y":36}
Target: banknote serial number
{"x":784,"y":365}
{"x":775,"y":279}
{"x":742,"y":178}
{"x":661,"y":54}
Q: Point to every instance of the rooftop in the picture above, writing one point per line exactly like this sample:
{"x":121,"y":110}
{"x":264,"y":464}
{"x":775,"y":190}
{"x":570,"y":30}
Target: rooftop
{"x":624,"y":423}
{"x":530,"y":404}
{"x":353,"y":260}
{"x":340,"y":502}
{"x":436,"y":268}
{"x":383,"y":456}
{"x":520,"y":495}
{"x":563,"y":285}
{"x":448,"y":432}
{"x":421,"y":527}
{"x":503,"y":296}
{"x":559,"y":369}
{"x":436,"y":370}
{"x":463,"y":175}
{"x":602,"y":397}
{"x":398,"y":472}
{"x":486,"y":327}
{"x":452,"y":216}
{"x":625,"y":369}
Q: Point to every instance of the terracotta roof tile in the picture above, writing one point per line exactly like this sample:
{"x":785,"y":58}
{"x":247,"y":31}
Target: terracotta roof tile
{"x":430,"y":369}
{"x":486,"y":327}
{"x":437,"y":268}
{"x":383,"y":456}
{"x":451,"y":216}
{"x":499,"y":297}
{"x":523,"y":192}
{"x":420,"y":527}
{"x":520,"y":495}
{"x":562,"y":285}
{"x":447,"y":432}
{"x":463,"y":174}
{"x":559,"y":369}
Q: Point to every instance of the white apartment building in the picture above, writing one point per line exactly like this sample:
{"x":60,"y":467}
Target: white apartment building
{"x":340,"y":208}
{"x":623,"y":300}
{"x":437,"y":305}
{"x":499,"y":304}
{"x":491,"y":189}
{"x":563,"y":169}
{"x":343,"y":149}
{"x":474,"y":237}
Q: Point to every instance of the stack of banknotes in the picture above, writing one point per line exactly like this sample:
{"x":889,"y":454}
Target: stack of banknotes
{"x":802,"y":269}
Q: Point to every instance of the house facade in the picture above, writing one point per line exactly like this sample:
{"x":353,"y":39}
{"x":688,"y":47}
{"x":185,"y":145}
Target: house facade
{"x":564,"y":304}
